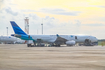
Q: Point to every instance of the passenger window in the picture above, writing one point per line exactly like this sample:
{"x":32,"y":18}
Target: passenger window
{"x":75,"y":37}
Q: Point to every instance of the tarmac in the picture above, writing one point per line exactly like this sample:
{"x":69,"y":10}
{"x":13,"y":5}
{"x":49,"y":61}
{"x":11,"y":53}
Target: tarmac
{"x":21,"y":57}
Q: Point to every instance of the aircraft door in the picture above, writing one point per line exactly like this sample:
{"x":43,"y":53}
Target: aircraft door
{"x":76,"y":37}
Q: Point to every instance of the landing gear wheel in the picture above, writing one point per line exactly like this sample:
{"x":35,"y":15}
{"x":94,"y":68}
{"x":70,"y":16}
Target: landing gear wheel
{"x":57,"y":45}
{"x":28,"y":45}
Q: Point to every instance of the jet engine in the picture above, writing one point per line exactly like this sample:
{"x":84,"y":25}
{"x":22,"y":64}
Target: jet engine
{"x":89,"y":43}
{"x":70,"y":43}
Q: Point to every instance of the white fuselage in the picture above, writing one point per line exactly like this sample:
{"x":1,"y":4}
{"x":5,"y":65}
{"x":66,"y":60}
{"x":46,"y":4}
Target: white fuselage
{"x":7,"y":39}
{"x":46,"y":38}
{"x":76,"y":38}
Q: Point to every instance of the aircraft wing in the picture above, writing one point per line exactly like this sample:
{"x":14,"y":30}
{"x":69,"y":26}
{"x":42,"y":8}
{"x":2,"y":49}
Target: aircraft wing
{"x":60,"y":40}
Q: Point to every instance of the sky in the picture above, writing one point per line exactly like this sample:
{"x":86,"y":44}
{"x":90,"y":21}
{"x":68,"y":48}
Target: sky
{"x":63,"y":17}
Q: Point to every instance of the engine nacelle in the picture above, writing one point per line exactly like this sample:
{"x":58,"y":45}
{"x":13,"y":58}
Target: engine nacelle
{"x":70,"y":43}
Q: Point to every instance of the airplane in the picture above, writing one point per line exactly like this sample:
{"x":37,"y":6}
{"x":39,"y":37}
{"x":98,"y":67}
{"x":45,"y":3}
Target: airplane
{"x":53,"y":40}
{"x":8,"y":39}
{"x":20,"y":41}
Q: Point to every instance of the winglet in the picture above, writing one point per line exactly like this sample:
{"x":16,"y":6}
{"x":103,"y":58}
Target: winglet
{"x":57,"y":35}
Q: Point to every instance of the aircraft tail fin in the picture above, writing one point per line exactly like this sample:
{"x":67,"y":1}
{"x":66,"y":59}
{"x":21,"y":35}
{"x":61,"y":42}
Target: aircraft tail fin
{"x":17,"y":29}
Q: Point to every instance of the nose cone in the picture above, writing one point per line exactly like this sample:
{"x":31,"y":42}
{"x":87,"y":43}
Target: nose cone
{"x":94,"y":39}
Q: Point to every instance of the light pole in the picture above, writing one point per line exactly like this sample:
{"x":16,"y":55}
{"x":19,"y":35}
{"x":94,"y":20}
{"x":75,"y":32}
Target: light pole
{"x":37,"y":31}
{"x":7,"y":31}
{"x":42,"y":28}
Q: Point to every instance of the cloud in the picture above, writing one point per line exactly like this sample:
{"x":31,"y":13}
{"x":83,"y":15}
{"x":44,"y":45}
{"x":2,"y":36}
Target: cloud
{"x":10,"y":11}
{"x":1,"y":3}
{"x":78,"y":23}
{"x":1,"y":0}
{"x":95,"y":24}
{"x":51,"y":24}
{"x":101,"y":6}
{"x":50,"y":21}
{"x":54,"y":11}
{"x":34,"y":16}
{"x":28,"y":10}
{"x":60,"y":12}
